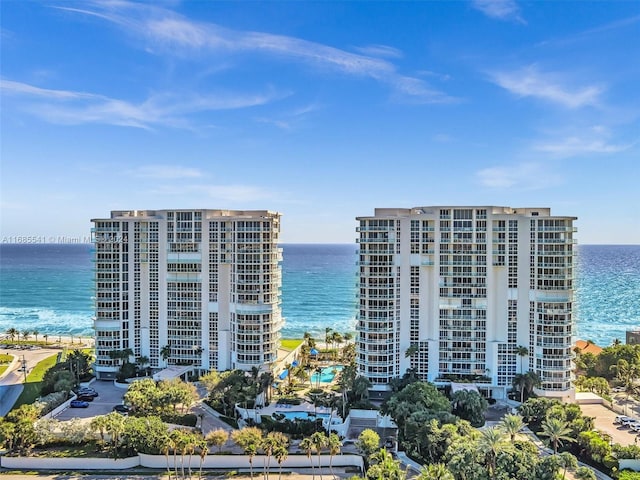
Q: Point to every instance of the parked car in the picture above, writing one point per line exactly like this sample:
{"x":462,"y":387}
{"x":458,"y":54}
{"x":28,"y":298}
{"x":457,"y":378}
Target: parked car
{"x":628,"y":421}
{"x":635,"y":426}
{"x":621,"y":418}
{"x":79,"y":404}
{"x":85,"y":398}
{"x":618,"y":389}
{"x":89,"y":392}
{"x":121,"y":409}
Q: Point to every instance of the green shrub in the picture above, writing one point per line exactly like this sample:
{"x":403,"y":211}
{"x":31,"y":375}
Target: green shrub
{"x":188,"y":420}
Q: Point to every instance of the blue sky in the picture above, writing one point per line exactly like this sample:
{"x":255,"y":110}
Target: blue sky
{"x":322,"y":111}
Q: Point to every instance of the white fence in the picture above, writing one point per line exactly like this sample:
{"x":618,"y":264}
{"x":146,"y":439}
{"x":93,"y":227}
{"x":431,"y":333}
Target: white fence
{"x":47,"y":463}
{"x":222,"y":462}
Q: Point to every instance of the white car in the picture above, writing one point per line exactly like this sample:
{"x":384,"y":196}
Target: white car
{"x":621,"y":418}
{"x":629,"y":421}
{"x":618,"y":389}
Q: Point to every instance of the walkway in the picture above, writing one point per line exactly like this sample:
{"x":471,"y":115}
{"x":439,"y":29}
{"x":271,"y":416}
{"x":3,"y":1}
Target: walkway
{"x":11,"y":383}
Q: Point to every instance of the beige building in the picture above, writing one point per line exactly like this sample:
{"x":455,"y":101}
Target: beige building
{"x":187,"y":287}
{"x":453,"y":292}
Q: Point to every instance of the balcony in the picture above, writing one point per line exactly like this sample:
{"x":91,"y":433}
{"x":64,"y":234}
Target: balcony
{"x":372,"y":228}
{"x":367,"y":263}
{"x":556,"y":229}
{"x":565,"y":241}
{"x":377,"y":329}
{"x":375,"y":240}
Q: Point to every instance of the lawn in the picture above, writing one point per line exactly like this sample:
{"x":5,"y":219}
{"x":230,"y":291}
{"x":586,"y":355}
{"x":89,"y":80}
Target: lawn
{"x":32,"y":387}
{"x":4,"y":358}
{"x":5,"y":361}
{"x":290,"y":343}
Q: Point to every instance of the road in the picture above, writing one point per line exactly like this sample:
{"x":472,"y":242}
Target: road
{"x":11,"y":383}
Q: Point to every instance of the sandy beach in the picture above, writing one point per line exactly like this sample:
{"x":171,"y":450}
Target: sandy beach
{"x":54,"y":340}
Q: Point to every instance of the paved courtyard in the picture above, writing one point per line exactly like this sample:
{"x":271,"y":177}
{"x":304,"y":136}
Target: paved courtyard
{"x":108,"y":396}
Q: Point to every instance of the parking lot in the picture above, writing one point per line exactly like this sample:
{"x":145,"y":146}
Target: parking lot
{"x":604,"y":422}
{"x":108,"y":396}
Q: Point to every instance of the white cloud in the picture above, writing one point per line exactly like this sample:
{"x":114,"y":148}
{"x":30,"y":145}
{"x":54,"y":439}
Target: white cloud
{"x":173,"y":33}
{"x":167,"y":109}
{"x":18,"y":88}
{"x":380,"y":51}
{"x":165,"y":172}
{"x":289,"y":120}
{"x":525,"y":176}
{"x":499,"y":9}
{"x":529,"y":82}
{"x":572,"y":146}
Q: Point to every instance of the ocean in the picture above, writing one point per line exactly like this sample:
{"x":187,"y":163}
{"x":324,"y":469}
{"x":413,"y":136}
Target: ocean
{"x":48,"y":287}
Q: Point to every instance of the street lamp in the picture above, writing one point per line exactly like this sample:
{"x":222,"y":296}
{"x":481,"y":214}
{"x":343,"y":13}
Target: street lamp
{"x":24,"y":368}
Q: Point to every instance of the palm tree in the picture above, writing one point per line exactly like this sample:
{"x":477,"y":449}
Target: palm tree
{"x":249,"y":440}
{"x":46,"y":338}
{"x":191,"y":444}
{"x":334,"y":445}
{"x":35,"y":334}
{"x":435,"y":471}
{"x":522,"y":352}
{"x":557,"y":431}
{"x":217,"y":438}
{"x":411,"y":351}
{"x":491,"y":441}
{"x":511,"y":425}
{"x":203,"y":448}
{"x":26,"y":334}
{"x":525,"y":382}
{"x":309,"y":339}
{"x":167,"y":444}
{"x":327,"y":335}
{"x":360,"y":388}
{"x":281,"y":453}
{"x":13,"y":333}
{"x":142,"y":361}
{"x":165,"y":353}
{"x":176,"y":443}
{"x":307,"y":446}
{"x":269,"y":445}
{"x":320,"y":441}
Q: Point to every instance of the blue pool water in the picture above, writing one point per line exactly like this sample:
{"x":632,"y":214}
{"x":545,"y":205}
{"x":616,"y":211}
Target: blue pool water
{"x":327,"y":375}
{"x":303,"y":415}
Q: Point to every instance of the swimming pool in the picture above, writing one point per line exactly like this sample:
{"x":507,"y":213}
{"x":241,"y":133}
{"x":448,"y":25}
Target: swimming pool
{"x":303,"y":415}
{"x":327,"y":375}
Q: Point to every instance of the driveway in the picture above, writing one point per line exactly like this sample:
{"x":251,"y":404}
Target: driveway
{"x":108,"y":396}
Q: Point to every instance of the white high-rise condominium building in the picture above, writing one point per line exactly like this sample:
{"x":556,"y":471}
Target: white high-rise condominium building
{"x":187,"y":287}
{"x":454,"y":293}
